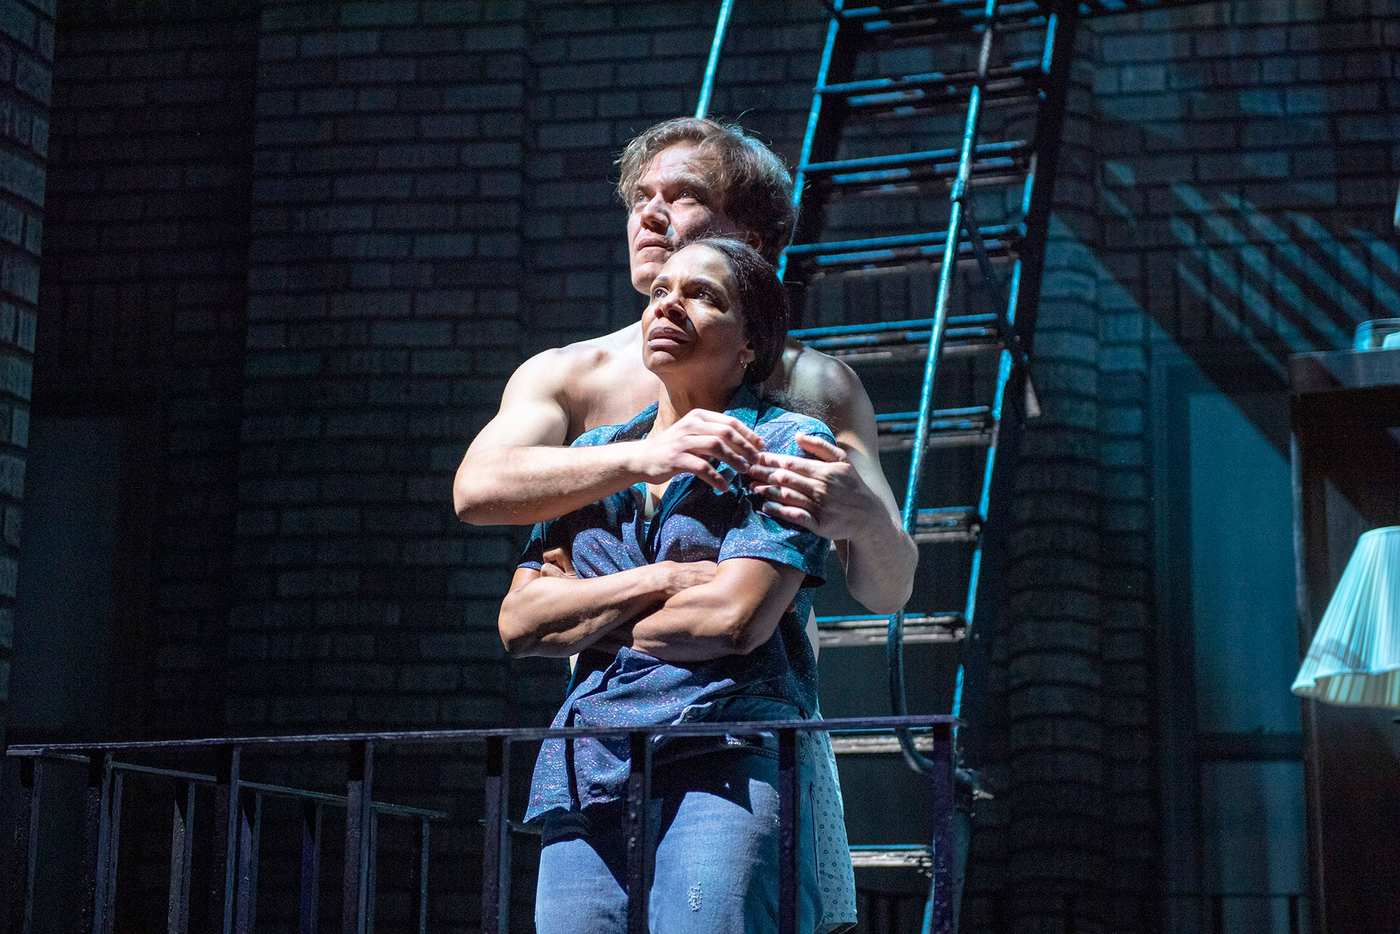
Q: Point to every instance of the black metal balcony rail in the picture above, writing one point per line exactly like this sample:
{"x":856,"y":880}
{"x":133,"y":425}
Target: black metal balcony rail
{"x":234,"y":855}
{"x":1199,"y":912}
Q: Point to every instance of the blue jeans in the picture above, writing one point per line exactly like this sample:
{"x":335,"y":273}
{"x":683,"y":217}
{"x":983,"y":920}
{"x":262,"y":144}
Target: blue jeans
{"x":714,"y":823}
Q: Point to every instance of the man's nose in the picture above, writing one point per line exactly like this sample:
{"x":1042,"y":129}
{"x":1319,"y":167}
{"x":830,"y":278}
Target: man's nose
{"x":654,"y":213}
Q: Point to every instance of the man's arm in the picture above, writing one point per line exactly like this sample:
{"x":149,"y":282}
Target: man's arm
{"x":841,"y":492}
{"x":558,"y":616}
{"x":733,"y":614}
{"x":517,"y":470}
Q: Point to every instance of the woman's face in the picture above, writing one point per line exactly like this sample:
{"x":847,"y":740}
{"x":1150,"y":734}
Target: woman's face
{"x":693,"y":330}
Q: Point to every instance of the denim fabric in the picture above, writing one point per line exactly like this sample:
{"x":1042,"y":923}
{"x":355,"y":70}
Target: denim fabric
{"x":714,"y":823}
{"x":693,"y":522}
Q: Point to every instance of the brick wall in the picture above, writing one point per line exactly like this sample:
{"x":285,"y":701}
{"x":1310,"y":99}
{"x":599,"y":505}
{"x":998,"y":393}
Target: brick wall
{"x":384,"y":289}
{"x":26,"y":86}
{"x":384,"y":284}
{"x":143,"y":284}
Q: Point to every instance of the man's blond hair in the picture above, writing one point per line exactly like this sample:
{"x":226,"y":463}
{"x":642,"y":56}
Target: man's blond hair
{"x":752,"y":184}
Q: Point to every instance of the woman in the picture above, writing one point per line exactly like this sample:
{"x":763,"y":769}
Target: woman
{"x":688,"y":604}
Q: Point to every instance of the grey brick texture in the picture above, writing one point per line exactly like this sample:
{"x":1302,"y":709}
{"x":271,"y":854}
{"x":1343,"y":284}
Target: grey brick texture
{"x":26,"y":90}
{"x":143,"y":287}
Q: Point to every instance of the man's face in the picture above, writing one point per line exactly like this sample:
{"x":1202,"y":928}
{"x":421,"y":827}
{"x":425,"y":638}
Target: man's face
{"x":673,"y":200}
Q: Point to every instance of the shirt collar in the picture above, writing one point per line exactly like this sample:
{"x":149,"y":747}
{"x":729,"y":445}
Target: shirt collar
{"x":744,"y":405}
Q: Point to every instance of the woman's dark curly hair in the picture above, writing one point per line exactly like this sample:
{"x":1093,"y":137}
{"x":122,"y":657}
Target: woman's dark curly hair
{"x":762,"y":300}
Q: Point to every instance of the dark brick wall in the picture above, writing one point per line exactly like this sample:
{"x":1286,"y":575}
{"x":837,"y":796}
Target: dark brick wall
{"x":384,"y":284}
{"x":143,"y":292}
{"x":26,"y":87}
{"x":384,"y":288}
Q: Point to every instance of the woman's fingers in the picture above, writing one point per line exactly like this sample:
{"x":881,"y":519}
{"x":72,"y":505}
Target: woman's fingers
{"x":747,"y":434}
{"x":557,"y":563}
{"x":702,"y":469}
{"x":712,"y":448}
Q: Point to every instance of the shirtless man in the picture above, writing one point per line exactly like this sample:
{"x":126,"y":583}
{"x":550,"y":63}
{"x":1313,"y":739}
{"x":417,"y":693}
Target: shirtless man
{"x":680,"y":178}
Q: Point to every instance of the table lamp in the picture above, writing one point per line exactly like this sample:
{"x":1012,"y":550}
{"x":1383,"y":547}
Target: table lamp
{"x":1354,"y":659}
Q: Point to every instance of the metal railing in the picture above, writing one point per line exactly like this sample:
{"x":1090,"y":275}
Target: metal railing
{"x":233,"y":858}
{"x":1196,"y":912}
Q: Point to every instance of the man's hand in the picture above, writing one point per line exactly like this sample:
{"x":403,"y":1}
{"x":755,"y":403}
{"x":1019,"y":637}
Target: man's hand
{"x":823,"y":493}
{"x":693,"y":445}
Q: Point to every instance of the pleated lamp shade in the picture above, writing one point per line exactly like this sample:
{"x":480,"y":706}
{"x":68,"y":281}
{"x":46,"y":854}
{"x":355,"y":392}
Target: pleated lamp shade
{"x":1354,"y":659}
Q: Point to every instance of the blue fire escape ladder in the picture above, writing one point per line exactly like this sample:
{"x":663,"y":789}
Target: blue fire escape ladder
{"x":1003,"y":256}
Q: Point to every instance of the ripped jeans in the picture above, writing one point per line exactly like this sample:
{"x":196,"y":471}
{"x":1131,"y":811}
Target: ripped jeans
{"x":714,"y":823}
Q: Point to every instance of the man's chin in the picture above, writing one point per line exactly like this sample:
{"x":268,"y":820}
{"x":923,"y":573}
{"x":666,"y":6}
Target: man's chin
{"x":647,"y":267}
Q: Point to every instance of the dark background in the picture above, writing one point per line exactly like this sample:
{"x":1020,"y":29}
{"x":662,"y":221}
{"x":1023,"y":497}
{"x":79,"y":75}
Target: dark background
{"x":266,"y":267}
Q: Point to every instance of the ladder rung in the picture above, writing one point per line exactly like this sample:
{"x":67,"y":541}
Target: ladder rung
{"x":875,"y":744}
{"x":900,"y":249}
{"x":887,"y":342}
{"x":947,"y":524}
{"x":1093,"y":7}
{"x":992,"y":162}
{"x":907,"y":20}
{"x":915,"y":93}
{"x":922,"y":8}
{"x":916,"y":856}
{"x":872,"y":629}
{"x":946,"y":428}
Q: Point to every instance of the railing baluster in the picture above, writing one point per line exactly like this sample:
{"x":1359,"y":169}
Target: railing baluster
{"x":249,"y":834}
{"x":96,"y":811}
{"x":358,"y":840}
{"x":222,"y":887}
{"x":1294,"y":919}
{"x":423,"y":840}
{"x":638,"y":848}
{"x":24,"y":855}
{"x":495,"y":852}
{"x":373,"y":872}
{"x":309,"y":903}
{"x":177,"y":918}
{"x":789,"y":820}
{"x":1217,"y":914}
{"x":941,"y":788}
{"x":114,"y":838}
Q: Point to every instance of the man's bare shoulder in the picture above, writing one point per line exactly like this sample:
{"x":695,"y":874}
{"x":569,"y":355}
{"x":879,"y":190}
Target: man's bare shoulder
{"x":815,"y":384}
{"x":565,"y":364}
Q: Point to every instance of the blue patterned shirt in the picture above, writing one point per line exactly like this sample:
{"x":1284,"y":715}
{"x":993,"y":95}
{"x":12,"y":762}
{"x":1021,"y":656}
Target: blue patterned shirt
{"x":693,"y":522}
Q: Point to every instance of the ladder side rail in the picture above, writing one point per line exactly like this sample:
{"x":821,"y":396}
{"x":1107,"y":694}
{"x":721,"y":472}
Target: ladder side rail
{"x":970,"y":689}
{"x":894,"y":645}
{"x":1040,"y":181}
{"x":1006,"y":367}
{"x":951,"y":245}
{"x":1007,"y":363}
{"x":707,"y":84}
{"x":832,"y":55}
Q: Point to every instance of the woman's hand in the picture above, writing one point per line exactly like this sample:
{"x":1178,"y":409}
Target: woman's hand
{"x":682,"y":575}
{"x":694,"y":444}
{"x":678,"y":576}
{"x":556,"y":563}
